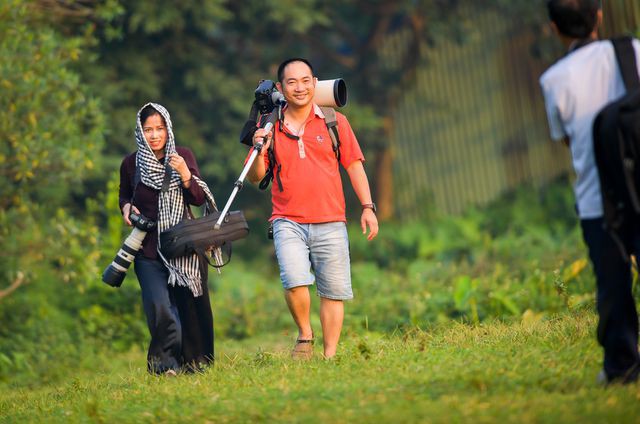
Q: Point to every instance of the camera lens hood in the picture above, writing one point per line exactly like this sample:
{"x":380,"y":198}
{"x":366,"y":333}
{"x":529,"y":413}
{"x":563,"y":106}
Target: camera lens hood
{"x":331,"y":93}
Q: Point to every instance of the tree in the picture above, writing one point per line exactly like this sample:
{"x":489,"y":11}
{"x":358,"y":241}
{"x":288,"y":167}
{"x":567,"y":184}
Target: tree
{"x":203,"y":60}
{"x":351,"y":38}
{"x":51,"y":132}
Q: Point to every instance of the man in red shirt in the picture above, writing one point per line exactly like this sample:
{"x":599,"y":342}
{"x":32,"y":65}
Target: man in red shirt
{"x":309,"y":222}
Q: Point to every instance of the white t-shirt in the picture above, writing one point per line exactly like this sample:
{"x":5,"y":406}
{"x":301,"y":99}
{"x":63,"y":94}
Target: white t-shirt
{"x":575,"y":89}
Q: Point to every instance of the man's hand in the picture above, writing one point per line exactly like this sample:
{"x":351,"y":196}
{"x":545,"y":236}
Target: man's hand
{"x":259,"y":136}
{"x":258,"y":169}
{"x":368,"y":219}
{"x":126,"y":210}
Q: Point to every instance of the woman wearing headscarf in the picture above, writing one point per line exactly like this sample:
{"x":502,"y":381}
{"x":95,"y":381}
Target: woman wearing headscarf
{"x":160,"y":181}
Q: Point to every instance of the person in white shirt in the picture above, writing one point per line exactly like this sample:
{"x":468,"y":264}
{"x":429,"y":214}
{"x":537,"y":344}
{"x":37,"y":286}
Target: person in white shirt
{"x":575,"y":89}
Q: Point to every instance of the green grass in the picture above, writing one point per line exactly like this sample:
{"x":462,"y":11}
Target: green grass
{"x":538,"y":370}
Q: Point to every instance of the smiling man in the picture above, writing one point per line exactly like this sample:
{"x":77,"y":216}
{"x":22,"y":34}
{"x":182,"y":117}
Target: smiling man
{"x":308,"y":218}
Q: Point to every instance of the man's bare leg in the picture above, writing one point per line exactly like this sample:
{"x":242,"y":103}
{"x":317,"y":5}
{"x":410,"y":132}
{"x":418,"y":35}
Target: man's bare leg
{"x":299,"y":302}
{"x":331,"y":318}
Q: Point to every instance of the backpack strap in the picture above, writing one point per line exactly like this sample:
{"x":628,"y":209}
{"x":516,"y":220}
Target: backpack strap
{"x":331,"y":122}
{"x":626,"y":57}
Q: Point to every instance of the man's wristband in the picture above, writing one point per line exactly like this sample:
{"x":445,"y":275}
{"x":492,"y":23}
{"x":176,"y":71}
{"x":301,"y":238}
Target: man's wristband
{"x":371,"y":206}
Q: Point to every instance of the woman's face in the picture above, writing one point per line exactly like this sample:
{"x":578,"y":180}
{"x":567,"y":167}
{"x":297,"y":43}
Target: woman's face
{"x":155,"y":132}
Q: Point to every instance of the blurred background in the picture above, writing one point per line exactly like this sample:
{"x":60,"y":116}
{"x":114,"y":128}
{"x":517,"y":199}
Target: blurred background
{"x":475,"y":200}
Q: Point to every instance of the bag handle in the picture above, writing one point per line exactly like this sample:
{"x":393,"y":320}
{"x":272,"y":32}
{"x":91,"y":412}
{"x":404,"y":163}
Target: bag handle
{"x":203,"y":254}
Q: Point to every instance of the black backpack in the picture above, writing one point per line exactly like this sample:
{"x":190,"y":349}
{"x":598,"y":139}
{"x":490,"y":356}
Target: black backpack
{"x":616,"y":144}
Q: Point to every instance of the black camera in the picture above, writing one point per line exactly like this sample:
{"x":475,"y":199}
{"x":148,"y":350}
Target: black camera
{"x":268,"y":97}
{"x":114,"y":274}
{"x":329,"y":93}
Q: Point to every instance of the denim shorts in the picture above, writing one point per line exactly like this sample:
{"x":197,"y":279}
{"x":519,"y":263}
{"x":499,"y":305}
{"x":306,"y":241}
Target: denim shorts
{"x":323,"y":248}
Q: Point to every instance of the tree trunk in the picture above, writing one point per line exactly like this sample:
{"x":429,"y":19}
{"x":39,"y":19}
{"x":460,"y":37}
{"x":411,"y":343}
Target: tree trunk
{"x":384,"y":176}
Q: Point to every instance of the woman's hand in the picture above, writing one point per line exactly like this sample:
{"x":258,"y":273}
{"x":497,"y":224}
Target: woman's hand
{"x":177,"y":162}
{"x":126,"y":210}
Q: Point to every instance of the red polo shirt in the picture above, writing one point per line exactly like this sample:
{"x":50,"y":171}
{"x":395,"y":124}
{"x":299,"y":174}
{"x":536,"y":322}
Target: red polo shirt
{"x":310,"y":175}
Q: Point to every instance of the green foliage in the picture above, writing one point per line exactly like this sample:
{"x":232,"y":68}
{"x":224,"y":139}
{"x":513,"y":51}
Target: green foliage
{"x":52,"y":323}
{"x":464,"y":296}
{"x":203,"y":60}
{"x":526,"y":223}
{"x":504,"y":261}
{"x":52,"y":127}
{"x":246,"y":301}
{"x":52,"y":131}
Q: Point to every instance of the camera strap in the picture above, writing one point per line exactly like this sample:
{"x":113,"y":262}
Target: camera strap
{"x":273,"y":172}
{"x":137,"y":178}
{"x":167,"y":178}
{"x":246,"y":135}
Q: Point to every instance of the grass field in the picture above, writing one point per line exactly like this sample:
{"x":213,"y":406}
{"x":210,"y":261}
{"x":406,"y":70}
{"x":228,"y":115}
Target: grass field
{"x":537,"y":370}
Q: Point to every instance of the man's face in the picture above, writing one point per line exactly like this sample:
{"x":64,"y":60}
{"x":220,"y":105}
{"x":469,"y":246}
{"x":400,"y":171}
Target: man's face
{"x":298,"y":85}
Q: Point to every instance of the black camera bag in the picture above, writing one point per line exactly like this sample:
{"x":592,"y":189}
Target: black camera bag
{"x":198,"y":235}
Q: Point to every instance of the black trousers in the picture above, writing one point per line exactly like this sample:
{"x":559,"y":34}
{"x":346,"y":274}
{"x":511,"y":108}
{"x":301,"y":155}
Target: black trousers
{"x":618,"y":318}
{"x":181,"y":326}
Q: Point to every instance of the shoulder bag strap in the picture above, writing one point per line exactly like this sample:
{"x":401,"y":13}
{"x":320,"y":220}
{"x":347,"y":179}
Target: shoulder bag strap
{"x":626,"y":57}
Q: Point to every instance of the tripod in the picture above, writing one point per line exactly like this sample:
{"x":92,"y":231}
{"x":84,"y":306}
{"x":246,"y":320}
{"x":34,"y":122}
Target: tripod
{"x":257,"y":148}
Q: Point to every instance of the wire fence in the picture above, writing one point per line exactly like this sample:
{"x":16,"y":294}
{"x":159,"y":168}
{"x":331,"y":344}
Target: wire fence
{"x":474,"y":127}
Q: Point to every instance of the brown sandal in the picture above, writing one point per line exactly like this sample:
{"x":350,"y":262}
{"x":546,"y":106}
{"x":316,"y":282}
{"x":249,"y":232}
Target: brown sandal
{"x":303,"y":349}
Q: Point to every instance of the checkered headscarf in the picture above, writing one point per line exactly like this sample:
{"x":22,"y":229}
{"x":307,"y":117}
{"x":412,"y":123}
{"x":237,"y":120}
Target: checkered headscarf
{"x":185,"y":270}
